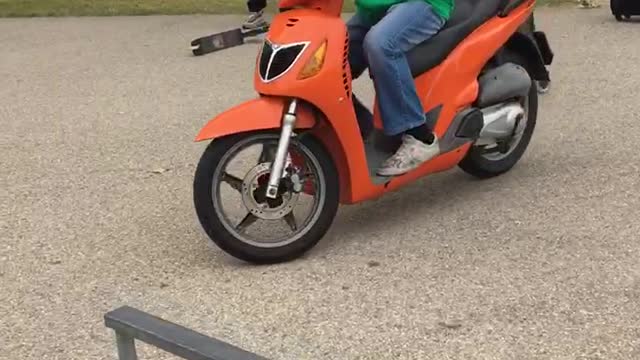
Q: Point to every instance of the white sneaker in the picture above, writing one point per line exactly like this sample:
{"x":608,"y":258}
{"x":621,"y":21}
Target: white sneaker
{"x":255,"y":21}
{"x":411,"y":154}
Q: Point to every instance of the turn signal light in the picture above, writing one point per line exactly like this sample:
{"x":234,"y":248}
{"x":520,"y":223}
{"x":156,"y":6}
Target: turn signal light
{"x":315,"y":63}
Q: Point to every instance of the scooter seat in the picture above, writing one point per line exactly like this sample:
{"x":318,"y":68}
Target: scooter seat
{"x":466,"y":17}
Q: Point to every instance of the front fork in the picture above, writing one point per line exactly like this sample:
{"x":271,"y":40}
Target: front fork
{"x":277,"y":168}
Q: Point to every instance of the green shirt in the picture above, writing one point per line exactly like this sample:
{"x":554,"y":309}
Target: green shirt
{"x":375,"y":9}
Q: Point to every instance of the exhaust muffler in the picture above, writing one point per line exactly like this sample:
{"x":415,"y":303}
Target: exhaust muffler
{"x":500,"y":122}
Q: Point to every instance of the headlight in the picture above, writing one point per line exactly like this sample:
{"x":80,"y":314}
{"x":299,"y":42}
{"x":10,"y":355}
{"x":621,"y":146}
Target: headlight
{"x":276,"y":60}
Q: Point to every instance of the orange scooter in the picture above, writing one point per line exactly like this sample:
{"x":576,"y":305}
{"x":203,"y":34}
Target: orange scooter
{"x":300,"y":142}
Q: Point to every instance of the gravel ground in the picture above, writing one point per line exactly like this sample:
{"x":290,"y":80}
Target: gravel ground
{"x":98,"y":117}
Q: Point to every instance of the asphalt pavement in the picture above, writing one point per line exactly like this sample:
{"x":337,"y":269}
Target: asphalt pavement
{"x":97,"y":121}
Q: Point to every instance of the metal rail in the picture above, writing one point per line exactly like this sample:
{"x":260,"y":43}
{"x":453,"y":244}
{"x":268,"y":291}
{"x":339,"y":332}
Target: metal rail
{"x":130,"y":324}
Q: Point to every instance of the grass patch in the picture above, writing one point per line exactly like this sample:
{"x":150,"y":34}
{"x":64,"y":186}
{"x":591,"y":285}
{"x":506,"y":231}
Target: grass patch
{"x":28,"y":8}
{"x":31,"y":8}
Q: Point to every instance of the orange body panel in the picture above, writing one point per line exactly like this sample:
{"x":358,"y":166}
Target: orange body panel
{"x":259,"y":114}
{"x":453,"y":84}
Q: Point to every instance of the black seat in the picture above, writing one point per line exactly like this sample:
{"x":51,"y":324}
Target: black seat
{"x":467,"y":16}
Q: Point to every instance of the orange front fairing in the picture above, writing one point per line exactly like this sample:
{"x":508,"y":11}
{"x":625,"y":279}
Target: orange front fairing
{"x":314,"y":28}
{"x":330,"y":7}
{"x":329,"y":90}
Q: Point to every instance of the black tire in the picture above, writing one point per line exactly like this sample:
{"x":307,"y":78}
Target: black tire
{"x":475,"y":163}
{"x":223,"y":238}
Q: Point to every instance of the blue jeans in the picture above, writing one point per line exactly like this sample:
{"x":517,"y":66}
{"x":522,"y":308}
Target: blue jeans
{"x":382,"y":47}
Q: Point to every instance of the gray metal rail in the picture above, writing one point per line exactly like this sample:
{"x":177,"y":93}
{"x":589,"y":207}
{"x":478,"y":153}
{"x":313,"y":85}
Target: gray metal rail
{"x":130,"y":324}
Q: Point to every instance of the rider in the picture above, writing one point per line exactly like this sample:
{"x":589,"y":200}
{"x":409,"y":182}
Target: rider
{"x":380,"y":34}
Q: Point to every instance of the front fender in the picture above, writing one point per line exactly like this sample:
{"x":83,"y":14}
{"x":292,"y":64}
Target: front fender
{"x":258,"y":114}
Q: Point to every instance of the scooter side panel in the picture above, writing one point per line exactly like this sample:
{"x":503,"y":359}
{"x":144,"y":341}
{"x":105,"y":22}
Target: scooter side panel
{"x":454,"y":83}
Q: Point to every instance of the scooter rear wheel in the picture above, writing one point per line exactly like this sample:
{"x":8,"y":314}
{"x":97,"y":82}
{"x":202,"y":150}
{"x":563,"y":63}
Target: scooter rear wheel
{"x":482,"y":164}
{"x":310,"y":172}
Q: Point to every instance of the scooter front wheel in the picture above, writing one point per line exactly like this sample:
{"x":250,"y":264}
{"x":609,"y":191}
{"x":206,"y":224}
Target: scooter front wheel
{"x":230,"y":196}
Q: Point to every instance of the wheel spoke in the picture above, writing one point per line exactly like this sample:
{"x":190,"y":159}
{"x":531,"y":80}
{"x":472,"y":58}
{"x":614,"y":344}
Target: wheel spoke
{"x":246,"y":222}
{"x":268,"y":153}
{"x":233,"y":181}
{"x":291,"y":221}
